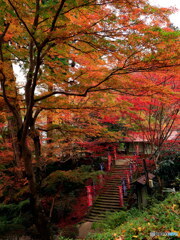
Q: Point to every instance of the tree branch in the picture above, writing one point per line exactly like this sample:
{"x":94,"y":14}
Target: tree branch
{"x":10,"y":106}
{"x":57,"y":15}
{"x":23,"y":22}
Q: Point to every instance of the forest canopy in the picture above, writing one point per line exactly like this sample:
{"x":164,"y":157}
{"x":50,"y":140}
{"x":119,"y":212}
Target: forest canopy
{"x":85,"y":63}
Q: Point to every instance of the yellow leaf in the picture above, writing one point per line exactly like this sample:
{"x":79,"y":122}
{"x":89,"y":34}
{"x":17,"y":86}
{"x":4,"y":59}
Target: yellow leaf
{"x":174,"y":205}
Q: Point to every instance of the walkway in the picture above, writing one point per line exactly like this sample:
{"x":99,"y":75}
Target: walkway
{"x":108,"y":200}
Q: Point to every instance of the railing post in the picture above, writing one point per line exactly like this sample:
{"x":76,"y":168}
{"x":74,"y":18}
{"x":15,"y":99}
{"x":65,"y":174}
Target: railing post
{"x":89,"y":195}
{"x":121,"y":201}
{"x":115,"y":153}
{"x":134,"y":167}
{"x":137,"y":149}
{"x":130,"y":171}
{"x":128,"y":179}
{"x":101,"y":180}
{"x":109,"y":161}
{"x":124,"y":188}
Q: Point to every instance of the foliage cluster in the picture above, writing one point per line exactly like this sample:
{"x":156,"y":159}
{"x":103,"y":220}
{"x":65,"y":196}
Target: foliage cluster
{"x":68,"y":180}
{"x":15,"y":217}
{"x":169,"y":167}
{"x":66,"y":188}
{"x":61,"y":187}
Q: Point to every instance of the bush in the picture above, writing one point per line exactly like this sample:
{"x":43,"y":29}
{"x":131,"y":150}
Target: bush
{"x":102,"y":236}
{"x":112,"y":220}
{"x":64,"y":238}
{"x":115,"y":219}
{"x":169,"y":167}
{"x":15,"y":217}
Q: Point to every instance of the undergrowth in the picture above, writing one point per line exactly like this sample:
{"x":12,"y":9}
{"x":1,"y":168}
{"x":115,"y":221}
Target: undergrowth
{"x":161,"y":217}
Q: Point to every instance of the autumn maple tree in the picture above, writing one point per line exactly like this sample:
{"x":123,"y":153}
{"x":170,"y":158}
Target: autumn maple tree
{"x":156,"y":115}
{"x":72,"y":48}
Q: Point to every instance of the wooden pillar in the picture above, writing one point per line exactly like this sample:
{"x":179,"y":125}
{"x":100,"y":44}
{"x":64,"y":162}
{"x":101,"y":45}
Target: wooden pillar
{"x":137,"y":149}
{"x":128,"y":179}
{"x":130,"y":171}
{"x":101,"y":180}
{"x":134,"y":167}
{"x":142,"y":196}
{"x":89,"y":195}
{"x":115,"y":153}
{"x":109,"y":161}
{"x":121,"y":201}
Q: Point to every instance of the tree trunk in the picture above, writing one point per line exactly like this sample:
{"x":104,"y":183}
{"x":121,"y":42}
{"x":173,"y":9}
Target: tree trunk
{"x":50,"y":136}
{"x":40,"y":219}
{"x":13,"y":135}
{"x":14,"y":121}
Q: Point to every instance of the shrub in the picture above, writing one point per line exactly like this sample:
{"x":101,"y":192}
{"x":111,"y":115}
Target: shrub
{"x":14,"y":217}
{"x":103,"y":236}
{"x":112,"y":220}
{"x":169,"y":167}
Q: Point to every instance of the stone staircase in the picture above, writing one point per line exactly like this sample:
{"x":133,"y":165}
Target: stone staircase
{"x":108,"y":199}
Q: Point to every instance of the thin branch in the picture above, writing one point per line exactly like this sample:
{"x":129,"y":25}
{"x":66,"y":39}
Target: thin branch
{"x":11,"y":107}
{"x":57,"y":15}
{"x":1,"y":40}
{"x":79,"y":108}
{"x":37,"y":112}
{"x":36,"y":19}
{"x":5,"y":30}
{"x":23,"y":22}
{"x":113,"y":73}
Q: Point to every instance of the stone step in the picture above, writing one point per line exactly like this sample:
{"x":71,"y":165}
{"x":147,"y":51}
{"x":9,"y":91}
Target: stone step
{"x":103,"y":211}
{"x":113,"y":182}
{"x":106,"y":204}
{"x":110,"y":194}
{"x":114,"y":199}
{"x":107,"y":201}
{"x":118,"y":173}
{"x":113,"y":185}
{"x":102,"y":214}
{"x":114,"y":179}
{"x":100,"y":210}
{"x":106,"y":196}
